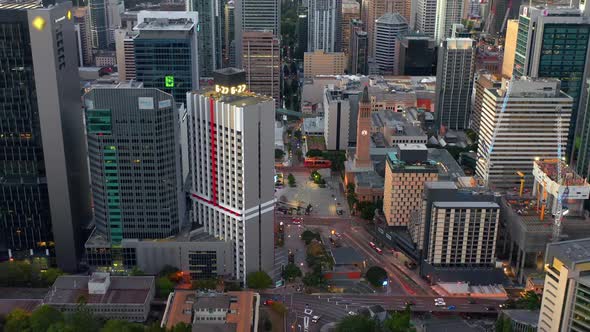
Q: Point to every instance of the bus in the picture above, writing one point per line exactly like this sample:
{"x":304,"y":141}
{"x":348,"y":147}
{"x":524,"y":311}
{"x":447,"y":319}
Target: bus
{"x":317,"y":163}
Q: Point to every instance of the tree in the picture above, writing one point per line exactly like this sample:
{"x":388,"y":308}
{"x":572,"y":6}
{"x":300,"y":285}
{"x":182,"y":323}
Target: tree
{"x":155,"y":327}
{"x":315,"y":278}
{"x":291,"y":180}
{"x":115,"y":325}
{"x":60,"y":327}
{"x":181,"y":327}
{"x":356,"y":323}
{"x":529,"y":300}
{"x":50,"y":275}
{"x":231,"y":286}
{"x":83,"y":320}
{"x":315,"y":249}
{"x":43,"y":317}
{"x":167,"y":270}
{"x":291,"y":272}
{"x":314,"y":153}
{"x":204,"y":284}
{"x":18,"y":321}
{"x":279,"y":308}
{"x":351,"y":195}
{"x":376,"y":276}
{"x":258,"y":280}
{"x":279,"y":154}
{"x":164,"y":287}
{"x":298,"y":134}
{"x":136,"y":272}
{"x":307,"y":236}
{"x":399,"y":321}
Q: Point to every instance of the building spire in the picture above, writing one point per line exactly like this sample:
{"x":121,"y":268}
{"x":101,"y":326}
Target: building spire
{"x":365,"y":97}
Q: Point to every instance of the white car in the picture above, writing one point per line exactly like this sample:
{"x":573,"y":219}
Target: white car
{"x":439,"y":304}
{"x":352,"y":313}
{"x":315,"y":319}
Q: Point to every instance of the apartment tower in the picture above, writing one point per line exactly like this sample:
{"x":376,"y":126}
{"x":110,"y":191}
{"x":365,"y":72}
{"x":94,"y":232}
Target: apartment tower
{"x":261,"y":59}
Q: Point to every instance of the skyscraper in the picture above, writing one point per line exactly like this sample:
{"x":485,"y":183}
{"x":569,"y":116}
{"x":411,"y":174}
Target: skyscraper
{"x":44,"y":191}
{"x":209,"y":34}
{"x":324,"y":28}
{"x":255,"y":15}
{"x":232,"y":158}
{"x":261,"y":58}
{"x":554,"y":42}
{"x":125,"y":50}
{"x":454,"y":81}
{"x":133,"y":144}
{"x":417,"y":55}
{"x":448,"y":12}
{"x":351,"y":10}
{"x":229,"y":21}
{"x":98,"y":23}
{"x":426,"y":11}
{"x":83,"y":36}
{"x":567,"y":286}
{"x":166,"y":52}
{"x":528,"y":129}
{"x":359,"y":51}
{"x":388,"y":29}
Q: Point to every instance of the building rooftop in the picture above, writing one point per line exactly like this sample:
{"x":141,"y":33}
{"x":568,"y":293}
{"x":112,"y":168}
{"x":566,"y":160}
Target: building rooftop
{"x":568,"y":175}
{"x":474,"y":204}
{"x":391,"y":18}
{"x":528,"y":317}
{"x":122,"y":290}
{"x":166,"y":20}
{"x":570,"y":253}
{"x":12,"y":4}
{"x":397,"y":121}
{"x":211,"y":301}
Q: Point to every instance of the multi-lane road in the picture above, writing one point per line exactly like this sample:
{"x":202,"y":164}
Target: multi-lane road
{"x":332,"y":308}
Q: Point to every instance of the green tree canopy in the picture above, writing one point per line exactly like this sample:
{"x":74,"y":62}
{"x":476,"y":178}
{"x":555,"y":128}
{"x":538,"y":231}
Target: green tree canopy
{"x":399,"y":321}
{"x":60,"y":327}
{"x":279,"y":153}
{"x":356,"y":324}
{"x":164,"y":286}
{"x":307,"y":236}
{"x":43,"y":317}
{"x":83,"y":320}
{"x":18,"y":321}
{"x":314,"y":153}
{"x":181,"y":327}
{"x":204,"y":284}
{"x":258,"y":280}
{"x":376,"y":275}
{"x":115,"y":325}
{"x":291,"y":272}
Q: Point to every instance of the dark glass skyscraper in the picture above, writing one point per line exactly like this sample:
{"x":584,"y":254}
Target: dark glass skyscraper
{"x":209,"y":35}
{"x":98,"y":23}
{"x":166,"y":52}
{"x":44,"y":194}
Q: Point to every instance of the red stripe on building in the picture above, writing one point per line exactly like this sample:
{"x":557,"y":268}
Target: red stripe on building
{"x":213,"y":146}
{"x":215,"y":204}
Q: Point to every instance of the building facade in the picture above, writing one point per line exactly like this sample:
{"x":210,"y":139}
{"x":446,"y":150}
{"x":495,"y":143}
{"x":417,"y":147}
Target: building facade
{"x":324,"y":30}
{"x":98,"y":23}
{"x":351,"y":10}
{"x":553,"y":42}
{"x":125,"y":51}
{"x":388,"y":29}
{"x":83,"y":36}
{"x":323,"y":63}
{"x":261,"y":59}
{"x":358,"y":53}
{"x":231,"y":162}
{"x":255,"y":15}
{"x":336,"y":118}
{"x":406,"y":171}
{"x":209,"y":34}
{"x":44,"y":197}
{"x":483,"y":82}
{"x":425,"y":22}
{"x":166,"y":52}
{"x":454,"y":81}
{"x":448,"y":12}
{"x":567,"y":286}
{"x":417,"y":55}
{"x":528,"y":129}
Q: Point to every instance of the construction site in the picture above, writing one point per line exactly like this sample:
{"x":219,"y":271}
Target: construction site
{"x":529,"y":217}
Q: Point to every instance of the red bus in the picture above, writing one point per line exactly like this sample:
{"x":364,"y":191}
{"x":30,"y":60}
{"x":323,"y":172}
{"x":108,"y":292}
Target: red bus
{"x":372,"y":245}
{"x":317,"y":163}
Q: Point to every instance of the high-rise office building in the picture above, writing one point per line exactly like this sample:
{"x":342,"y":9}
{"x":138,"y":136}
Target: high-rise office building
{"x":509,"y":48}
{"x":114,"y":10}
{"x":229,"y":21}
{"x":125,"y":50}
{"x":261,"y":59}
{"x":359,"y":51}
{"x":336,"y":118}
{"x":417,"y":55}
{"x":373,"y":9}
{"x":134,"y":152}
{"x":388,"y":29}
{"x":255,"y":15}
{"x":98,"y":23}
{"x":322,"y":63}
{"x":231,"y":137}
{"x":567,"y":285}
{"x":324,"y":27}
{"x":455,"y":228}
{"x":166,"y":52}
{"x":301,"y":46}
{"x":528,"y":129}
{"x":351,"y":10}
{"x":448,"y":12}
{"x":583,"y":156}
{"x":500,"y":11}
{"x":483,"y":82}
{"x":83,"y":36}
{"x":454,"y":81}
{"x":44,"y":190}
{"x":209,"y":34}
{"x":425,"y":21}
{"x":554,"y":42}
{"x":406,"y":171}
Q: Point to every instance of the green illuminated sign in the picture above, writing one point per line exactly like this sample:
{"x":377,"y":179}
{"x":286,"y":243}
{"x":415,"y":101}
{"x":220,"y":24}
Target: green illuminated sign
{"x":169,"y":81}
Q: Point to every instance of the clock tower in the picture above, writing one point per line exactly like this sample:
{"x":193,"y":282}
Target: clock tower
{"x":362,"y":157}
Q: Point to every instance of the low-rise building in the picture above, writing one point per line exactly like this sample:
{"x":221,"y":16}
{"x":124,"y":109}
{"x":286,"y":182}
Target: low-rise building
{"x":397,"y":128}
{"x":323,"y":63}
{"x":110,"y":297}
{"x":213,"y":312}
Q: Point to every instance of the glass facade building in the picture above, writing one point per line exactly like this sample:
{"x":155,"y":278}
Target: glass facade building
{"x":98,"y":23}
{"x":166,"y":52}
{"x":209,"y":34}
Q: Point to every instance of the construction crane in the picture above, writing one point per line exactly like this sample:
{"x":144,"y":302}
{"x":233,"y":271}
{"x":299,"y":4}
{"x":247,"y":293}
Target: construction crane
{"x":563,"y":196}
{"x":495,"y":133}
